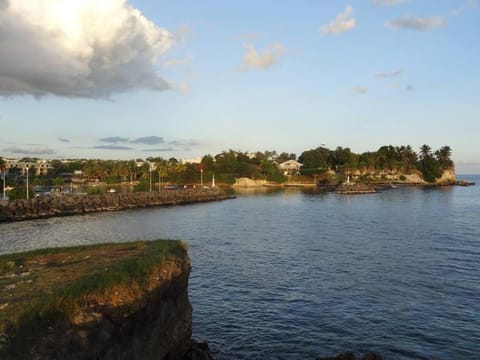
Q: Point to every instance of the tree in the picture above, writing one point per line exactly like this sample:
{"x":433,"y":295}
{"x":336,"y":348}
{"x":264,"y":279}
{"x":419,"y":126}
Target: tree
{"x":425,"y":151}
{"x":315,"y":159}
{"x":443,"y":157}
{"x":428,"y":165}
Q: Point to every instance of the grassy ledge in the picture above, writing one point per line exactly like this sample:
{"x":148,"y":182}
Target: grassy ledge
{"x":45,"y":286}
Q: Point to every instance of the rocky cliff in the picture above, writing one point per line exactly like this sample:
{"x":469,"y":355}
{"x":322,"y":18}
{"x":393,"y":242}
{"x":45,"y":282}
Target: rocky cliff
{"x":67,"y":204}
{"x":117,"y":301}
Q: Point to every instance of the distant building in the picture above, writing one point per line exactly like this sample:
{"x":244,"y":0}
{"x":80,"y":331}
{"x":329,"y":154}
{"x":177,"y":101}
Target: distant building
{"x":42,"y":167}
{"x":290,"y":167}
{"x":196,"y":160}
{"x":38,"y":167}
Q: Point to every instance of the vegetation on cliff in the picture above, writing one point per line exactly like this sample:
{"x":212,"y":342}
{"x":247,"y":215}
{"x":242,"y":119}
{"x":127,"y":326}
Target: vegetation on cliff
{"x":387,"y":159}
{"x":54,"y":288}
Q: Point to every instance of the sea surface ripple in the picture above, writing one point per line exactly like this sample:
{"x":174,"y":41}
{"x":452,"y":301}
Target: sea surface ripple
{"x":299,"y":274}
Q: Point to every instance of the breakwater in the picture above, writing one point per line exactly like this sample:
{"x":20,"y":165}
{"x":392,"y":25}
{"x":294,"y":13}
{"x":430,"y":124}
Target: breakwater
{"x":76,"y":204}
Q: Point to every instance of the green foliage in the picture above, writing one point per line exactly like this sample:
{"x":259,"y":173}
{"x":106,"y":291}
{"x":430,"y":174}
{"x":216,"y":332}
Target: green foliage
{"x":142,"y":186}
{"x":314,"y":159}
{"x":94,"y":190}
{"x":232,"y":164}
{"x":430,"y":168}
{"x":58,"y":181}
{"x":43,"y":312}
{"x":17,"y":193}
{"x":316,"y":171}
{"x":402,"y":177}
{"x":113,"y":179}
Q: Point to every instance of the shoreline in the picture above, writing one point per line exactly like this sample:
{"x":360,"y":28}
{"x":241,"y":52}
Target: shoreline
{"x":68,"y":205}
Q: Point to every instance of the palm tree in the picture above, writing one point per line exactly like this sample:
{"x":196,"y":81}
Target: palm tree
{"x":443,"y":156}
{"x":425,"y":151}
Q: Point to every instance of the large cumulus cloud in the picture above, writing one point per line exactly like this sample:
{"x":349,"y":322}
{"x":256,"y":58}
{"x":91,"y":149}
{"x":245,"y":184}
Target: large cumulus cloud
{"x":78,"y":48}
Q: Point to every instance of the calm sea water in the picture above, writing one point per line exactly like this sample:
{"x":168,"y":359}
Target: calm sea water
{"x":297,"y":275}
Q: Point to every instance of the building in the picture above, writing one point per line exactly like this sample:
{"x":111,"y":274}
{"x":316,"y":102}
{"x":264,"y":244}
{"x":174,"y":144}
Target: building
{"x":35,"y":167}
{"x":290,"y":167}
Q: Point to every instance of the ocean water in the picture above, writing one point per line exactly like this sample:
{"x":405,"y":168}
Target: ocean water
{"x":295,"y":274}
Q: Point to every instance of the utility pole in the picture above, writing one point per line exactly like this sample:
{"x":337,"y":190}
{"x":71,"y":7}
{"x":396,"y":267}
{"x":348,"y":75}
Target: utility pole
{"x":161,"y":174}
{"x":150,"y":178}
{"x":4,"y":174}
{"x":27,"y":181}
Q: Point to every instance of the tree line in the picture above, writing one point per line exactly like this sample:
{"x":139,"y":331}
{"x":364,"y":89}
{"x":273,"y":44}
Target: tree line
{"x":231,"y":164}
{"x":399,"y":159}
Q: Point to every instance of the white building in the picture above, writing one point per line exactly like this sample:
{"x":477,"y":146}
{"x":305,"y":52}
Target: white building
{"x":290,"y":167}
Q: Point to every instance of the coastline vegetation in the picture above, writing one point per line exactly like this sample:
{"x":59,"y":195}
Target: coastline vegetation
{"x":51,"y":284}
{"x":228,"y":165}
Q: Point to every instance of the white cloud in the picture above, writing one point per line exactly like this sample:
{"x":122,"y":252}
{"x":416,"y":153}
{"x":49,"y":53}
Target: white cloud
{"x":361,"y":90}
{"x":342,"y":23}
{"x":388,"y":2}
{"x":471,"y":4}
{"x":417,"y":24}
{"x":74,"y":48}
{"x":176,"y":62}
{"x":268,"y":57}
{"x":391,"y":74}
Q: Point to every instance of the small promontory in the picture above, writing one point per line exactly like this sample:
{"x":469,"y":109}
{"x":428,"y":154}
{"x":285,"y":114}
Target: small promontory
{"x":109,"y":301}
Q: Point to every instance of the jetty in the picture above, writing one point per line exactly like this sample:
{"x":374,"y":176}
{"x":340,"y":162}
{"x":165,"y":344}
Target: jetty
{"x":78,"y":204}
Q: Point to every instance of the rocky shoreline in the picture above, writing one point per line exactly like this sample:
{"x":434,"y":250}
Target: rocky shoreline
{"x":111,"y":301}
{"x":73,"y":204}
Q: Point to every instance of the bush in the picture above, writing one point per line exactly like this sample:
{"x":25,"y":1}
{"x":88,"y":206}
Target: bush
{"x":17,"y":193}
{"x":94,"y":191}
{"x":142,"y":186}
{"x":402,"y":178}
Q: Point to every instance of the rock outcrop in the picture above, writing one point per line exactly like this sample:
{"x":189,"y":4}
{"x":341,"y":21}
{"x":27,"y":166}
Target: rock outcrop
{"x":448,"y":177}
{"x":134,"y":317}
{"x":352,"y":356}
{"x":68,"y":204}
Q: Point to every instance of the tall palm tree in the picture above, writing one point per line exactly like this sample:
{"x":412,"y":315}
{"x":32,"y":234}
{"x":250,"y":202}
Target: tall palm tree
{"x":443,"y":156}
{"x":425,"y":151}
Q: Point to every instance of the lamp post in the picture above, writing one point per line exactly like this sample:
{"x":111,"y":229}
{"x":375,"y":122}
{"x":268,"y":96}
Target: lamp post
{"x":150,"y":178}
{"x":201,"y":178}
{"x":4,"y":175}
{"x":26,"y":167}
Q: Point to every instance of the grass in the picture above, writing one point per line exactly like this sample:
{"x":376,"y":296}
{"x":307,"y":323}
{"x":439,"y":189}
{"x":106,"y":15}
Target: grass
{"x":41,"y":287}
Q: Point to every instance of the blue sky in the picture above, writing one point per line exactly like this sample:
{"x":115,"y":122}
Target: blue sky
{"x":251,"y":75}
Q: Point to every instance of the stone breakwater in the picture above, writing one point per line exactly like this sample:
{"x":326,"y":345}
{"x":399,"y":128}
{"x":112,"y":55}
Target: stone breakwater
{"x":73,"y":204}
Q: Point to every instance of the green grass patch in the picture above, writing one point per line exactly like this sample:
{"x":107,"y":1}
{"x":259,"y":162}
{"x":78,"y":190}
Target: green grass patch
{"x":63,"y":277}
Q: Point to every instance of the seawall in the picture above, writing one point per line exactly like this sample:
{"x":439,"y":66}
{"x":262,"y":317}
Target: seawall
{"x":114,"y":301}
{"x":68,"y":204}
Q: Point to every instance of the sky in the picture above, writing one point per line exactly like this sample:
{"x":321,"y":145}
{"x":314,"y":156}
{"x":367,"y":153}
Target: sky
{"x":116,"y":79}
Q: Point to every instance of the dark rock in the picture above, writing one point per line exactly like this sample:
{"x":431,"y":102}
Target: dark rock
{"x":64,"y":205}
{"x":351,"y":356}
{"x":198,"y":351}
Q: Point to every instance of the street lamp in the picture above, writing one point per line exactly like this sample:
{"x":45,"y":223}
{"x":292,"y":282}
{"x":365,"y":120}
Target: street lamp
{"x":26,"y":167}
{"x":201,"y":178}
{"x":4,"y":175}
{"x":159,"y":179}
{"x":150,"y":178}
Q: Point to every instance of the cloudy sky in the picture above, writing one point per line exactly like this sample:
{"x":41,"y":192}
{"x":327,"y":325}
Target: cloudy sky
{"x":126,"y":79}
